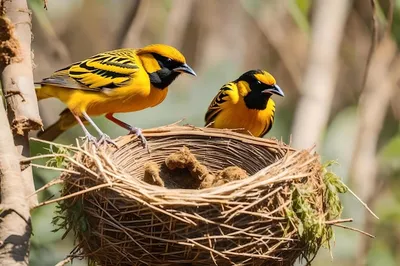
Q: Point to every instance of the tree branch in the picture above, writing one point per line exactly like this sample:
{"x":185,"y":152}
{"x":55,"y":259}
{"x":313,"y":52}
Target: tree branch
{"x":17,"y":81}
{"x":373,"y":105}
{"x":276,"y":33}
{"x":178,"y":20}
{"x":319,"y":82}
{"x":130,"y":33}
{"x":374,"y":41}
{"x":54,"y":45}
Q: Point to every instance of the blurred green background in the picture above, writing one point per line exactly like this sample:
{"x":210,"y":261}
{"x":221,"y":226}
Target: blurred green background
{"x":222,"y":39}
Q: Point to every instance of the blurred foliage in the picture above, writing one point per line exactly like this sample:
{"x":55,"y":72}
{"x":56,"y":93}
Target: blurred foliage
{"x":220,"y":44}
{"x":299,"y":9}
{"x":390,"y":154}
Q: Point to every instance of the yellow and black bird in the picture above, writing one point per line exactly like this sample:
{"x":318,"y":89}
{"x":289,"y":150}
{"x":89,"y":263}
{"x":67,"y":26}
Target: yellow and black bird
{"x":119,"y":81}
{"x":245,"y":104}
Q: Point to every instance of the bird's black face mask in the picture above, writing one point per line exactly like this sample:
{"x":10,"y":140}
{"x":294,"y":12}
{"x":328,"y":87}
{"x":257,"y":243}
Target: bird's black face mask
{"x":169,"y":71}
{"x":260,"y":92}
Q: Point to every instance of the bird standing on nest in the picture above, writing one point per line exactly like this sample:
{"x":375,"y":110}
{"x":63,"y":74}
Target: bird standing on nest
{"x":245,"y":103}
{"x":119,"y":81}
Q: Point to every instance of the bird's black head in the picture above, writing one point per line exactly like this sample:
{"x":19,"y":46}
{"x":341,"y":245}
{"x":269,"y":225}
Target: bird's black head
{"x":262,"y":85}
{"x":169,"y":70}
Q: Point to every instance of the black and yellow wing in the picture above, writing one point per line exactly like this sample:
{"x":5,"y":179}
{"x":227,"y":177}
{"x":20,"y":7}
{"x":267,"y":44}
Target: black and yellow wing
{"x":267,"y":127}
{"x":218,"y":102}
{"x":269,"y":119}
{"x":106,"y":70}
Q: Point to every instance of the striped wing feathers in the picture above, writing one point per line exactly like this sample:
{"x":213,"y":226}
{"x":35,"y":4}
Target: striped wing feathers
{"x":268,"y":126}
{"x":216,"y":105}
{"x":107,"y":70}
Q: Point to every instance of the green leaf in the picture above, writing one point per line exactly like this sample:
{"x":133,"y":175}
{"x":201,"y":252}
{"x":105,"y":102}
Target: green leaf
{"x":300,"y":229}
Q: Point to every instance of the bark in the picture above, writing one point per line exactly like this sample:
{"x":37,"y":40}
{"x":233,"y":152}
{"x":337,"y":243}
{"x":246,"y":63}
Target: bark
{"x":17,"y":82}
{"x":23,"y":116}
{"x":312,"y":112}
{"x":15,"y":223}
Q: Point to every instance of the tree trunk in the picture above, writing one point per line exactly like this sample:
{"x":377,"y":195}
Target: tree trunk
{"x":17,"y":82}
{"x":312,"y":112}
{"x":372,"y":109}
{"x":23,"y":115}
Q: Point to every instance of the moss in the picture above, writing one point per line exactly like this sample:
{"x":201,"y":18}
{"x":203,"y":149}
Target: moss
{"x":311,"y":222}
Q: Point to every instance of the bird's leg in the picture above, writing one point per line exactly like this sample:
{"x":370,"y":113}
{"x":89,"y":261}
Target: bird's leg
{"x":135,"y":130}
{"x":103,"y":137}
{"x":87,"y":134}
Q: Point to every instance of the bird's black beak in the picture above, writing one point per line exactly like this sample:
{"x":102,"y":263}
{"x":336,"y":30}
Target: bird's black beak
{"x":275,"y":89}
{"x":184,"y":68}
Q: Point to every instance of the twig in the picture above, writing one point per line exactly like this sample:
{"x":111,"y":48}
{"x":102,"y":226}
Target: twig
{"x":70,"y":195}
{"x":50,"y":184}
{"x":362,"y":202}
{"x":64,"y":261}
{"x":71,"y":147}
{"x":374,"y":40}
{"x":338,"y":221}
{"x":354,"y":229}
{"x":390,"y":17}
{"x":55,"y":169}
{"x":27,"y":160}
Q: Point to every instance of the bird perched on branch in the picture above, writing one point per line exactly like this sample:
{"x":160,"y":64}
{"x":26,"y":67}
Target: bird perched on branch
{"x":119,"y":81}
{"x":245,"y":104}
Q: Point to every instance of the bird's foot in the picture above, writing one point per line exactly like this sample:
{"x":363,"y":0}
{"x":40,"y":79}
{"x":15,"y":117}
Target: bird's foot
{"x":90,"y":138}
{"x":138,"y":132}
{"x":104,"y":138}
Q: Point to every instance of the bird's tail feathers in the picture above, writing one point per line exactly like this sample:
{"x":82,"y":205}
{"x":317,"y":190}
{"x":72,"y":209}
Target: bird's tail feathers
{"x":66,"y":121}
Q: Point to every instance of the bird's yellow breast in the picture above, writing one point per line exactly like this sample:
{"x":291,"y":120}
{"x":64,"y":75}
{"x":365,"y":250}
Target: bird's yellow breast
{"x":130,"y":103}
{"x":237,"y":115}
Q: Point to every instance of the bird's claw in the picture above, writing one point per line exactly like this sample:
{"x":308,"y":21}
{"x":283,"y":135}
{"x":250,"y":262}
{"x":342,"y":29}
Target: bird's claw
{"x":138,"y":132}
{"x":92,"y":139}
{"x":104,"y":138}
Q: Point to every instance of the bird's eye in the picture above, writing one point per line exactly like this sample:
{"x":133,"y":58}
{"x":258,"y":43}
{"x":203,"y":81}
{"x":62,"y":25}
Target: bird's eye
{"x":258,"y":82}
{"x":169,"y":60}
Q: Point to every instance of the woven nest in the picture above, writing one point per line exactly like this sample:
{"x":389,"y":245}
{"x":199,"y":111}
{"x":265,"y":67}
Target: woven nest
{"x":200,"y":197}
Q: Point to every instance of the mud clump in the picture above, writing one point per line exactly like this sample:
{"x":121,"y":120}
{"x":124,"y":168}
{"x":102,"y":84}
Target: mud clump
{"x":181,"y":169}
{"x":9,"y":45}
